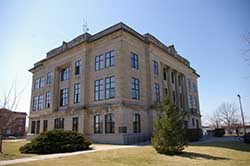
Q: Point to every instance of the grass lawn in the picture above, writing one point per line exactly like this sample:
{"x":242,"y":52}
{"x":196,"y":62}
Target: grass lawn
{"x":11,"y":150}
{"x":215,"y":154}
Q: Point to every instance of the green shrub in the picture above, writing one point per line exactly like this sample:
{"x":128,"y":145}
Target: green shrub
{"x":169,"y":134}
{"x":219,"y":132}
{"x":56,"y":141}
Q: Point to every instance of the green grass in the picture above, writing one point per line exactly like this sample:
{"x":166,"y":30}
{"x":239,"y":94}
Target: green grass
{"x":215,"y":154}
{"x":11,"y":150}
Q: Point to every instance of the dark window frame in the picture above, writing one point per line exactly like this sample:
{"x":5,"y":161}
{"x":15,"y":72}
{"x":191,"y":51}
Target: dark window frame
{"x":59,"y":123}
{"x":64,"y":97}
{"x":110,"y":87}
{"x":135,"y":88}
{"x":48,"y":99}
{"x":98,"y":124}
{"x":134,"y":60}
{"x":109,"y":123}
{"x":110,"y":58}
{"x":75,"y":123}
{"x":65,"y":74}
{"x":45,"y":125}
{"x":156,"y":67}
{"x":99,"y":62}
{"x":77,"y":93}
{"x":49,"y":78}
{"x":33,"y":127}
{"x":157,"y":96}
{"x":99,"y":90}
{"x":38,"y":127}
{"x":78,"y":65}
{"x":137,"y":123}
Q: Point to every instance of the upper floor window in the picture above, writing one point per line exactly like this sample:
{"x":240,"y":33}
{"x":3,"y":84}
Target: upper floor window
{"x":189,"y":84}
{"x":77,"y":92}
{"x":78,"y":65}
{"x":49,"y":77}
{"x":194,"y":102}
{"x":134,"y":61}
{"x":110,"y":87}
{"x":98,"y":123}
{"x":109,"y":123}
{"x":45,"y":125}
{"x":155,"y":67}
{"x":65,"y":74}
{"x":190,"y":101}
{"x":42,"y":82}
{"x":99,"y":90}
{"x":48,"y":99}
{"x":35,"y":103}
{"x":64,"y":94}
{"x":137,"y":123}
{"x":135,"y":89}
{"x":75,"y":124}
{"x":172,"y":77}
{"x":156,"y":92}
{"x":37,"y":82}
{"x":99,"y":62}
{"x":179,"y":80}
{"x":40,"y":102}
{"x":110,"y":58}
{"x":164,"y":73}
{"x":194,"y":87}
{"x":59,"y":123}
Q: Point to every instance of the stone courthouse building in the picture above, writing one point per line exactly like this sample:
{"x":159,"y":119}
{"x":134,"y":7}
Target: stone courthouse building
{"x":105,"y":86}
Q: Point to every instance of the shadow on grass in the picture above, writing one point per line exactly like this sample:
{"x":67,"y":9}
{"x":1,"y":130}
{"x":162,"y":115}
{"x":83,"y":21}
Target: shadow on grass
{"x":240,"y":146}
{"x":193,"y":155}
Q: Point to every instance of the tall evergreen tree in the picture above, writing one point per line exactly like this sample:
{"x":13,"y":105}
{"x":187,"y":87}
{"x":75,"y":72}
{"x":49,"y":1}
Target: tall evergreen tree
{"x":169,"y":132}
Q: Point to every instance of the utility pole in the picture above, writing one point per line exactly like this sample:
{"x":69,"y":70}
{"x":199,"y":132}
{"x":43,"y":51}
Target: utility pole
{"x":242,"y":116}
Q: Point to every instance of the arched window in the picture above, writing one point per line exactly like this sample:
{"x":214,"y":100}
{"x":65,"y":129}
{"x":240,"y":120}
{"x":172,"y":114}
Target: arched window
{"x":109,"y":123}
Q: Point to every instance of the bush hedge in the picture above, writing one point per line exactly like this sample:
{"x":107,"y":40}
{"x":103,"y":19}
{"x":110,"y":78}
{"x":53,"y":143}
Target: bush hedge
{"x":219,"y":132}
{"x":194,"y":134}
{"x":56,"y":141}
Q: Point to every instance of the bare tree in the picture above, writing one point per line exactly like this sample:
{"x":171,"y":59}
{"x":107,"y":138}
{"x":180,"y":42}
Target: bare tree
{"x":228,"y":114}
{"x":215,"y":119}
{"x":9,"y":103}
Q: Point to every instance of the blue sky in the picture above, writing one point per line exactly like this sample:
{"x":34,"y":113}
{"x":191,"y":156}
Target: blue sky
{"x":210,"y":34}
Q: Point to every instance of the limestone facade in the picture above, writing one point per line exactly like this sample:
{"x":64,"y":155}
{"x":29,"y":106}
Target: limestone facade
{"x":158,"y":64}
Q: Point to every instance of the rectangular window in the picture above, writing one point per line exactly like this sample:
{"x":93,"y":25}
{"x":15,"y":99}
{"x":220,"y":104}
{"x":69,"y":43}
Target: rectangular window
{"x":42,"y":82}
{"x":75,"y":124}
{"x":99,"y":90}
{"x":179,"y":80}
{"x":37,"y":82}
{"x":156,"y":92}
{"x":35,"y":103}
{"x":45,"y":125}
{"x":109,"y":123}
{"x":197,"y":124}
{"x":59,"y":123}
{"x":134,"y":61}
{"x":193,"y":121}
{"x":172,"y":77}
{"x":49,"y":78}
{"x":77,"y":93}
{"x":193,"y":87}
{"x":97,"y":124}
{"x":65,"y":74}
{"x":110,"y":87}
{"x":181,"y":100}
{"x":194,"y":102}
{"x":135,"y":89}
{"x":164,"y":73}
{"x":64,"y":95}
{"x":190,"y":101}
{"x":189,"y":84}
{"x":137,"y":123}
{"x":99,"y":62}
{"x":155,"y":66}
{"x":110,"y":58}
{"x":38,"y":127}
{"x":40,"y":102}
{"x":78,"y":65}
{"x":48,"y":100}
{"x":174,"y":98}
{"x":33,"y":127}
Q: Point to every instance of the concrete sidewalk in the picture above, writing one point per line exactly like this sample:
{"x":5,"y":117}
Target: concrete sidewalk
{"x":96,"y":148}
